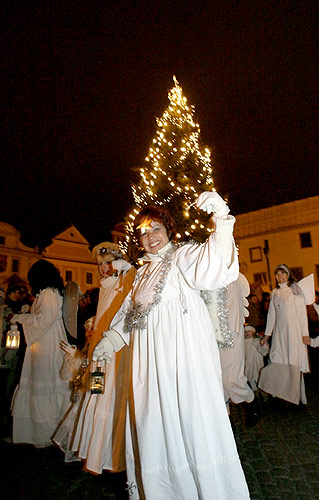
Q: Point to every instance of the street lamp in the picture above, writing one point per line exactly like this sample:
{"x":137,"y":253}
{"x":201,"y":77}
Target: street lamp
{"x":266,"y":252}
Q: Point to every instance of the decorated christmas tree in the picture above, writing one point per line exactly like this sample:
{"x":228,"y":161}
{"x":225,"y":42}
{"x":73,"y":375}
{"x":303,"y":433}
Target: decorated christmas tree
{"x":176,"y":170}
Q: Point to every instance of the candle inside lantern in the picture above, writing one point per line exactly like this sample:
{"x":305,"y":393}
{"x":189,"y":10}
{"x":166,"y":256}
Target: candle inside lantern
{"x":13,"y":337}
{"x":97,"y":381}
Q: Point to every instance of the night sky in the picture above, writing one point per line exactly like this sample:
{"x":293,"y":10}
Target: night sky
{"x":83,"y":81}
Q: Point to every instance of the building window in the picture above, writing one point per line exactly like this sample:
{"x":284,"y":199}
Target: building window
{"x":255,"y":254}
{"x":89,"y":278}
{"x":305,"y":240}
{"x":317,"y":273}
{"x":68,"y":275}
{"x":3,"y":263}
{"x":297,"y":273}
{"x":15,"y":265}
{"x":2,"y":240}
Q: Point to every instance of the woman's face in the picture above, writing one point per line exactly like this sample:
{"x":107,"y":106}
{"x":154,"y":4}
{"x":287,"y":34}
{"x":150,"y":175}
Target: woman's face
{"x":106,"y":268}
{"x":154,"y":237}
{"x":281,"y":276}
{"x":89,"y":333}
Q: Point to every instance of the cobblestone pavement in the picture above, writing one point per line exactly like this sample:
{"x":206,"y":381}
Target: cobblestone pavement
{"x":280,"y":457}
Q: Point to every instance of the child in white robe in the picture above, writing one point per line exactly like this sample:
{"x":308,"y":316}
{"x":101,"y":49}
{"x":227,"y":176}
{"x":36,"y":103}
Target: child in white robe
{"x":254,"y":356}
{"x":75,"y":369}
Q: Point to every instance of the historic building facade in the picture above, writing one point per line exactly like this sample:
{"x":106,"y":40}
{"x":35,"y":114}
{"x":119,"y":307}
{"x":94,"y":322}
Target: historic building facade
{"x":287,"y":233}
{"x":283,"y":234}
{"x":69,"y":252}
{"x":15,"y":258}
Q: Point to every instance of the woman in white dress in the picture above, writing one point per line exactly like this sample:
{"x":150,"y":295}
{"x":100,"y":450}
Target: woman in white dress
{"x":42,"y":397}
{"x":99,"y":433}
{"x":179,"y":442}
{"x":288,"y":325}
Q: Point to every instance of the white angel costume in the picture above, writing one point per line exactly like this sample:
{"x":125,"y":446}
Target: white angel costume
{"x":287,"y":323}
{"x":232,"y":358}
{"x":73,"y":369}
{"x":179,"y":442}
{"x":254,"y":359}
{"x":42,"y":397}
{"x":99,"y":437}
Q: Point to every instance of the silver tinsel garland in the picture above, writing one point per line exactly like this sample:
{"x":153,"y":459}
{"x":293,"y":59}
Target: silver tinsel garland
{"x":220,"y":295}
{"x":137,"y":314}
{"x":77,"y":381}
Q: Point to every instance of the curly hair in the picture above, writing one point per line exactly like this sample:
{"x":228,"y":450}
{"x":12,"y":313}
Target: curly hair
{"x":42,"y":274}
{"x":158,"y":214}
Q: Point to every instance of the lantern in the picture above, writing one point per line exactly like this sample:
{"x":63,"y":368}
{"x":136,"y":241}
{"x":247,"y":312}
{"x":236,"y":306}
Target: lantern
{"x":97,"y":381}
{"x":13,"y":337}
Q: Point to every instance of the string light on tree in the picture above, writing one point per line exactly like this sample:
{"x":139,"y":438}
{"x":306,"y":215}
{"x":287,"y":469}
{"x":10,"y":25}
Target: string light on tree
{"x":176,"y":169}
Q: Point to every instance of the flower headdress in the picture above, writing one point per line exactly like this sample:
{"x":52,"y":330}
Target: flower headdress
{"x":106,"y":248}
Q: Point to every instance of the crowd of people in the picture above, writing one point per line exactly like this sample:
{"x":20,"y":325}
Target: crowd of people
{"x":173,"y":344}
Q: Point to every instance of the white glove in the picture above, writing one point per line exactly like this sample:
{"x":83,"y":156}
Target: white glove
{"x":110,"y":343}
{"x":211,"y":202}
{"x":69,"y":349}
{"x":121,"y":265}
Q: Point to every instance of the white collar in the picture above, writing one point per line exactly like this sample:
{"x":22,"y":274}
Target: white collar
{"x":283,"y":285}
{"x":108,"y":281}
{"x":158,"y":255}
